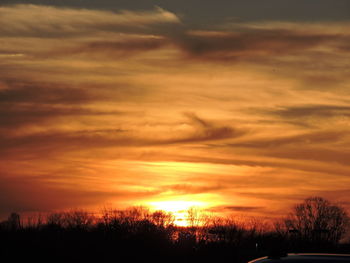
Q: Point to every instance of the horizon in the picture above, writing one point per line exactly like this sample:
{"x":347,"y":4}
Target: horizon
{"x":236,"y":108}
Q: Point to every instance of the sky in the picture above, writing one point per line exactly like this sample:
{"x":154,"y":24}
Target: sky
{"x":232,"y":107}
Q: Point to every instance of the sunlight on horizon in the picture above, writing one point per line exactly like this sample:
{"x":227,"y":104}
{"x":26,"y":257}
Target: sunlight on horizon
{"x":179,"y":209}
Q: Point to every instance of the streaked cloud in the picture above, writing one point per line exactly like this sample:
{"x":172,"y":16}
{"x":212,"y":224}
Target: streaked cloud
{"x":235,"y":208}
{"x":318,"y":111}
{"x":47,"y":21}
{"x":254,"y":42}
{"x":135,"y":106}
{"x":15,"y":193}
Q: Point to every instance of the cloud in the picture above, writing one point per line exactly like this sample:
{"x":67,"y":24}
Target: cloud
{"x":45,"y":93}
{"x":47,"y":21}
{"x":25,"y":194}
{"x":208,"y":13}
{"x":235,"y":209}
{"x":307,"y":115}
{"x":242,"y":43}
{"x":208,"y":131}
{"x":55,"y":143}
{"x":37,"y":104}
{"x":58,"y":141}
{"x":311,"y":138}
{"x":270,"y":159}
{"x":318,"y":111}
{"x":99,"y":85}
{"x":318,"y":154}
{"x":232,"y":42}
{"x":103,"y":49}
{"x":194,"y":188}
{"x":17,"y":116}
{"x":93,"y":34}
{"x":338,"y":196}
{"x":295,"y":197}
{"x":24,"y":92}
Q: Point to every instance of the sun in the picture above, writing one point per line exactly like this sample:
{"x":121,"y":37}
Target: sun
{"x":179,"y":208}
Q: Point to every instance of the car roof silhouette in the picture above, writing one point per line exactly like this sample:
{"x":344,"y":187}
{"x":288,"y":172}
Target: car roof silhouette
{"x":305,"y":258}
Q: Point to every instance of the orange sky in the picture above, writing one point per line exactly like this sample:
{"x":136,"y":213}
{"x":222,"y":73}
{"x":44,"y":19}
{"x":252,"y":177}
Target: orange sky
{"x":136,"y":107}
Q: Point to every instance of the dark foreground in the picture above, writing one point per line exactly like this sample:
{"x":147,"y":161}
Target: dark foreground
{"x":135,"y":237}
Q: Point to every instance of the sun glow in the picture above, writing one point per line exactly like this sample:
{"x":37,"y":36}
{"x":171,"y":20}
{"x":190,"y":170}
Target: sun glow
{"x":179,"y":208}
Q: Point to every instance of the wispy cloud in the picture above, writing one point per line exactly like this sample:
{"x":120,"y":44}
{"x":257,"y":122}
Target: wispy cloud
{"x":259,"y":42}
{"x":258,"y":110}
{"x":58,"y":142}
{"x":317,"y":111}
{"x":312,"y":138}
{"x":235,"y":208}
{"x":47,"y":21}
{"x":17,"y":190}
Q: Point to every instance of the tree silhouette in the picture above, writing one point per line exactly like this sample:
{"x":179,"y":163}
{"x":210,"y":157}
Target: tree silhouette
{"x":138,"y":234}
{"x":13,"y":223}
{"x":317,"y":220}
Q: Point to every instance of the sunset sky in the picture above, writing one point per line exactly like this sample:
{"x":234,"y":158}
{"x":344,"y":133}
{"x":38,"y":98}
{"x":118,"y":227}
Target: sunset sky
{"x":231,"y":106}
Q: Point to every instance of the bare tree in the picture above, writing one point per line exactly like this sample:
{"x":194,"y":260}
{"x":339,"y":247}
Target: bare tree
{"x":317,"y":220}
{"x":55,"y":220}
{"x":14,"y":222}
{"x":162,"y":219}
{"x":193,"y":217}
{"x":78,"y":219}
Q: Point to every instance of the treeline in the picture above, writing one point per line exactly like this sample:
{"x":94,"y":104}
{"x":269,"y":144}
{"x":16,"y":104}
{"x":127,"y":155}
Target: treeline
{"x":138,"y":235}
